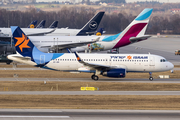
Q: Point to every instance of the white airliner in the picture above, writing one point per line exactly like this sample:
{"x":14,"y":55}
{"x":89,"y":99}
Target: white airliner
{"x":131,"y":34}
{"x":110,"y":65}
{"x":88,"y":29}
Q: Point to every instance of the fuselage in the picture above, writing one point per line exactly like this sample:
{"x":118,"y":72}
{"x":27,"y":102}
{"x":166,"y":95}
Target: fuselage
{"x":50,"y":41}
{"x":130,"y":62}
{"x":58,"y":32}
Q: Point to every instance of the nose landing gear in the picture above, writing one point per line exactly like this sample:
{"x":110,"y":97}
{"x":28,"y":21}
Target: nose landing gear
{"x":150,"y":76}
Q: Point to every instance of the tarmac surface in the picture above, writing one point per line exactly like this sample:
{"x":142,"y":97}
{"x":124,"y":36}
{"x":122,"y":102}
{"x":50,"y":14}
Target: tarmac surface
{"x":84,"y":114}
{"x":90,"y":93}
{"x":139,"y":80}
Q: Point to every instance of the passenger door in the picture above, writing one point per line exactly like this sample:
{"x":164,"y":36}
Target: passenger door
{"x":151,"y":61}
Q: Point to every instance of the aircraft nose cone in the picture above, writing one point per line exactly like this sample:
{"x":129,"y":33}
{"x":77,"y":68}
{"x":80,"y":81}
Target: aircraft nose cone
{"x":171,"y":66}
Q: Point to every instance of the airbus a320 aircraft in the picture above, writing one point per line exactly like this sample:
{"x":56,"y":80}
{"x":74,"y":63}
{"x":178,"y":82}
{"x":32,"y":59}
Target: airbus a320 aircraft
{"x":109,"y":65}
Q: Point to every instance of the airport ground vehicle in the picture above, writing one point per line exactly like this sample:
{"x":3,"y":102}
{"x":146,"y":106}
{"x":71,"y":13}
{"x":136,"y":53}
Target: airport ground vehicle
{"x":177,"y":52}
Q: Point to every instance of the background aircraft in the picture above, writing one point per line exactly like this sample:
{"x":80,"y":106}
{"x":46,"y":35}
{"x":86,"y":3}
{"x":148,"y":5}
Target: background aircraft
{"x":41,"y":24}
{"x":134,"y":32}
{"x":32,"y":24}
{"x":54,"y":24}
{"x":87,"y":29}
{"x":109,"y":65}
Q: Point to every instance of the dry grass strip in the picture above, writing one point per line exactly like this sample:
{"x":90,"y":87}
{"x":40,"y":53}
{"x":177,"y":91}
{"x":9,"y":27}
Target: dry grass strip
{"x":60,"y":74}
{"x":75,"y":86}
{"x":91,"y":102}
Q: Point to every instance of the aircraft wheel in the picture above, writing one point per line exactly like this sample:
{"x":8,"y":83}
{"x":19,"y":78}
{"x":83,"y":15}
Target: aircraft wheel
{"x":96,"y":78}
{"x":92,"y":77}
{"x":151,"y":78}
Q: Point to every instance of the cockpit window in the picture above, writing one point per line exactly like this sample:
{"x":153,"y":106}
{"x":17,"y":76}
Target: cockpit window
{"x":163,"y":60}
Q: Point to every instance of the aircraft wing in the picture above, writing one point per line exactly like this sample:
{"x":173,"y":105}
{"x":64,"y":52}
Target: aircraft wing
{"x":136,"y":39}
{"x":71,"y":45}
{"x":8,"y":38}
{"x":92,"y":65}
{"x":41,"y":34}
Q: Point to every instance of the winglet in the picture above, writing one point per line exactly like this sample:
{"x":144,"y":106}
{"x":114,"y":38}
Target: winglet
{"x":77,"y":57}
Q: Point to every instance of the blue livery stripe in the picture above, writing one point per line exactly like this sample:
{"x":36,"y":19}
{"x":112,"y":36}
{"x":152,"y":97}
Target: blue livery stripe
{"x":56,"y":55}
{"x":144,"y":14}
{"x":110,"y":38}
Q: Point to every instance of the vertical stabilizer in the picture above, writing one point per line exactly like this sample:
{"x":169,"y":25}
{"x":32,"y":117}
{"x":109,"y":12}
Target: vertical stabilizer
{"x":134,"y":30}
{"x":54,"y":24}
{"x":32,"y":24}
{"x":92,"y":25}
{"x":41,"y":24}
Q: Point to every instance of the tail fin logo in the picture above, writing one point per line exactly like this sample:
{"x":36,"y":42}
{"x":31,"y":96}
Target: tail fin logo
{"x":98,"y":34}
{"x":32,"y":26}
{"x":93,"y":25}
{"x":22,"y":42}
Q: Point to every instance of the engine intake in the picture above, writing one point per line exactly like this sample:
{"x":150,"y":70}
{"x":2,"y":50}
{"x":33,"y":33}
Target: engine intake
{"x":117,"y":73}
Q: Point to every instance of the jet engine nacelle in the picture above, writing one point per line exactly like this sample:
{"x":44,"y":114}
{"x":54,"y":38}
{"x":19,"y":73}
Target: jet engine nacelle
{"x":117,"y":73}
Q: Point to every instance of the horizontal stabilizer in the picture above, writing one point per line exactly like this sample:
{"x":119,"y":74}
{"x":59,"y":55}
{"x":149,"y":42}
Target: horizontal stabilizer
{"x":136,"y":39}
{"x":19,"y":57}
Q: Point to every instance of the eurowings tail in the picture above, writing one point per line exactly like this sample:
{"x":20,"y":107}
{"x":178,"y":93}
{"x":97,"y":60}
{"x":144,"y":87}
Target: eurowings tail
{"x":32,"y":24}
{"x":135,"y":31}
{"x":54,"y":24}
{"x":92,"y":25}
{"x":41,"y":24}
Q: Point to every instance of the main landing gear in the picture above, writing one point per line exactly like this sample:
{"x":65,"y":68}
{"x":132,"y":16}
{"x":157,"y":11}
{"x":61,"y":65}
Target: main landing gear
{"x":94,"y":77}
{"x":150,"y":76}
